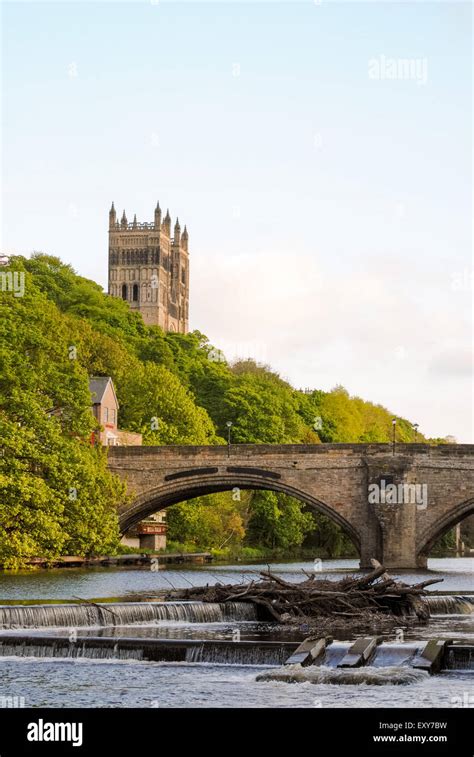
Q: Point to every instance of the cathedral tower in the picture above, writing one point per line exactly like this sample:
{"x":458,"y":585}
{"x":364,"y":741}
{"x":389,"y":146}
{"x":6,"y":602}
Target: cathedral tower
{"x":150,"y":269}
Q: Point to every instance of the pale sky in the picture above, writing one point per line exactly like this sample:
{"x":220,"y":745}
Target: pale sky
{"x":329,"y":211}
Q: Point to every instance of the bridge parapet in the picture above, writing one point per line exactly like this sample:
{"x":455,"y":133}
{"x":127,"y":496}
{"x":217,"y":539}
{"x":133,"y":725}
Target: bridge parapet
{"x":427,"y":450}
{"x":335,"y":479}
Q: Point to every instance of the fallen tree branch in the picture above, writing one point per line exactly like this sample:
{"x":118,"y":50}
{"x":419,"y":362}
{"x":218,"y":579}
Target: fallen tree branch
{"x":312,"y":598}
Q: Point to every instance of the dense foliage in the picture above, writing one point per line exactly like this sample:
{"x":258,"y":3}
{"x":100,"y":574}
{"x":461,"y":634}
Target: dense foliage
{"x":56,"y":495}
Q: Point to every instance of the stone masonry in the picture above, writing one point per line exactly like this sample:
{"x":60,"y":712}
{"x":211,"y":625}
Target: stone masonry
{"x":331,"y":478}
{"x":149,"y":269}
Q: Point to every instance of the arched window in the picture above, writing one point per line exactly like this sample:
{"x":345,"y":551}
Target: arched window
{"x":124,"y":292}
{"x":135,"y":293}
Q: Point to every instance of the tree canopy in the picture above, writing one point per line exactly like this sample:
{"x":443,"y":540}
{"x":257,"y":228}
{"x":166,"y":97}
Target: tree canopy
{"x":56,"y":494}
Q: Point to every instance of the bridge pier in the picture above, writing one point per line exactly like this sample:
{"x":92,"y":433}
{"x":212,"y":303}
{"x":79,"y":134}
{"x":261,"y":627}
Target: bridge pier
{"x":371,"y":546}
{"x":346,"y":482}
{"x":393,"y":497}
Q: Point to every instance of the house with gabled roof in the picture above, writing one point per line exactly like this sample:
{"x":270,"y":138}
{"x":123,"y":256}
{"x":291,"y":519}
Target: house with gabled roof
{"x":105,"y":407}
{"x":150,"y":533}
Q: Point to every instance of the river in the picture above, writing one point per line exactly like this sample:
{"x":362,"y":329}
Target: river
{"x":40,"y":680}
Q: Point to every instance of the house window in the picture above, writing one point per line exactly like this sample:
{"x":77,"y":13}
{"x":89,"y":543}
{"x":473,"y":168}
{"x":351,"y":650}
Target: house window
{"x":135,"y":293}
{"x":106,"y":414}
{"x":124,"y":292}
{"x":114,"y":416}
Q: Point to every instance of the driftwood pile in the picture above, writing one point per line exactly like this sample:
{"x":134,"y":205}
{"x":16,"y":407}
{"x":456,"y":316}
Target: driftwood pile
{"x":351,"y":597}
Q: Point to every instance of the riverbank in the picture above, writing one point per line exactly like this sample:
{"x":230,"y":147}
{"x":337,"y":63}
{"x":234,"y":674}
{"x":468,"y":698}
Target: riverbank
{"x":151,"y":559}
{"x":183,"y":554}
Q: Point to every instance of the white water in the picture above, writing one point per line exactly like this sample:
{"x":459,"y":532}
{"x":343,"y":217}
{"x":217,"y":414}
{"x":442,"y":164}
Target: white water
{"x":118,"y":614}
{"x":450,"y":605}
{"x":371,"y":676}
{"x":219,"y":678}
{"x":119,"y":683}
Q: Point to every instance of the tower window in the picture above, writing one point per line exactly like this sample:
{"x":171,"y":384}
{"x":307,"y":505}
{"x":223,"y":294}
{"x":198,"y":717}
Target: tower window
{"x":124,"y":292}
{"x":135,"y":293}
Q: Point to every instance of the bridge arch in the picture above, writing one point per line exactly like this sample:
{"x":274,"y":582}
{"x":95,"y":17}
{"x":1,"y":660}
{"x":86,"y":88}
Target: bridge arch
{"x":454,"y":516}
{"x":330,"y":478}
{"x":171,"y":493}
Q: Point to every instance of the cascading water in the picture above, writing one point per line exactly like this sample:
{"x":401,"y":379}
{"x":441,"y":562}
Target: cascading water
{"x":385,"y":655}
{"x":395,"y":654}
{"x":459,"y":658}
{"x":233,"y":654}
{"x":124,"y":613}
{"x":334,"y":654}
{"x":450,"y":605}
{"x":73,"y":651}
{"x":128,"y":613}
{"x":151,"y":650}
{"x":393,"y":675}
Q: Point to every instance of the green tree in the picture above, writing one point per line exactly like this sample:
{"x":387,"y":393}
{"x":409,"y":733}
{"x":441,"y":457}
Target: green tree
{"x":277,"y":521}
{"x":212,"y":521}
{"x":175,"y":389}
{"x":155,"y":402}
{"x":56,"y":493}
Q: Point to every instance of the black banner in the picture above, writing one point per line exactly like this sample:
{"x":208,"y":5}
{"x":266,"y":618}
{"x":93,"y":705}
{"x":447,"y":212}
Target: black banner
{"x":122,"y":732}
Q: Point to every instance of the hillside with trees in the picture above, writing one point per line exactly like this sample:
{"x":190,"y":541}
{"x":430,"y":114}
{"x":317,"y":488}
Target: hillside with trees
{"x":57,"y":496}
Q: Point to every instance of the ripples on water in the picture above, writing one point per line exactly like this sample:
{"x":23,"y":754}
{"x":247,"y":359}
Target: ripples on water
{"x":131,"y":683}
{"x":96,"y":683}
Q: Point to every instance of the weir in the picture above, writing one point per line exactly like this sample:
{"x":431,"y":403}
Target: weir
{"x":152,"y":650}
{"x":450,"y":605}
{"x":456,"y":655}
{"x":459,"y":656}
{"x":123,"y":613}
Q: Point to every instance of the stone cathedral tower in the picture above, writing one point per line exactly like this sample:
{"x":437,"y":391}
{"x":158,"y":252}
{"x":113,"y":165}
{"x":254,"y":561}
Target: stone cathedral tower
{"x":150,"y":269}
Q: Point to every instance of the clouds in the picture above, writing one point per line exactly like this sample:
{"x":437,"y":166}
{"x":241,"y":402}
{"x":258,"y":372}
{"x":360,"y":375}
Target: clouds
{"x":320,"y":324}
{"x":329,"y":214}
{"x":456,"y":364}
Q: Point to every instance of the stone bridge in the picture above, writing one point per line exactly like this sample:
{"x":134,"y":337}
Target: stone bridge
{"x":428,"y":489}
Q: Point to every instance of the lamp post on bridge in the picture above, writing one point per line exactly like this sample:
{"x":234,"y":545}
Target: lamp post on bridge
{"x":415,"y":426}
{"x":229,"y":426}
{"x":394,"y":429}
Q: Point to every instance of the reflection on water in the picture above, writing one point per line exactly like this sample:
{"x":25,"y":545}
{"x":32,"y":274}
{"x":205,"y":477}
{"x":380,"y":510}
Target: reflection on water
{"x":248,"y":631}
{"x":67,"y":583}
